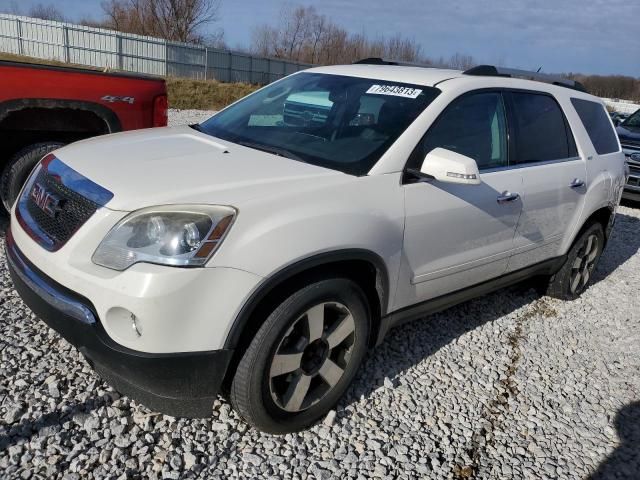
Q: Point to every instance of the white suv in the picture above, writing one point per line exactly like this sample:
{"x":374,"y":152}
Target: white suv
{"x":262,"y":252}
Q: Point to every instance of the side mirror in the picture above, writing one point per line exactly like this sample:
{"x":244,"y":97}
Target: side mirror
{"x":451,"y":167}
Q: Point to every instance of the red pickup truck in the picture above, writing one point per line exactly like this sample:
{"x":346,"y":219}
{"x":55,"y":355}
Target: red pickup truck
{"x":43,"y":107}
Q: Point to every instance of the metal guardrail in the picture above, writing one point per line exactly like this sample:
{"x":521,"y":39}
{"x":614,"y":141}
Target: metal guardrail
{"x":98,"y":47}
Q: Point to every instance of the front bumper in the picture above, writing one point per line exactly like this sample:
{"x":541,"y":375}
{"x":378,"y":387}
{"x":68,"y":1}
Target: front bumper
{"x":177,"y":384}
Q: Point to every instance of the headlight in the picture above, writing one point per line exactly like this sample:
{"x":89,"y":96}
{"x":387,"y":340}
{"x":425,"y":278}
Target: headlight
{"x":168,"y":235}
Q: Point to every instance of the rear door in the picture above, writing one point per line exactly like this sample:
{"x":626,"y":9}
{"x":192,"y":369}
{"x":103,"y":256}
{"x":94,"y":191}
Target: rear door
{"x":460,"y":235}
{"x":554,"y":176}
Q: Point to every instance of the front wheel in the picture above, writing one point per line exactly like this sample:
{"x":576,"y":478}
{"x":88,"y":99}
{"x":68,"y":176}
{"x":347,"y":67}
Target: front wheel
{"x":19,"y":167}
{"x":572,"y":279}
{"x":303,"y":357}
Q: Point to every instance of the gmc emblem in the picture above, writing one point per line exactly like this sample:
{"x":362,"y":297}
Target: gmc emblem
{"x":48,"y":202}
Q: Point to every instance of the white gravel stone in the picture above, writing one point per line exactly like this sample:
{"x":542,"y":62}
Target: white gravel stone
{"x":511,"y":385}
{"x":330,"y":419}
{"x":187,"y":117}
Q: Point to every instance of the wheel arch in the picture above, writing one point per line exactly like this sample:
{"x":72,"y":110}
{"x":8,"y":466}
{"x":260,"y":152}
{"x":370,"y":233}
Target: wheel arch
{"x":605,"y":215}
{"x":363,"y":266}
{"x":106,"y":115}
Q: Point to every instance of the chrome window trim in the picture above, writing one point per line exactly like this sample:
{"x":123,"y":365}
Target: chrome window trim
{"x":40,"y":287}
{"x":530,"y":164}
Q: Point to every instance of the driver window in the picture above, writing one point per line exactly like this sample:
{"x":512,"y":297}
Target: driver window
{"x":475,"y":126}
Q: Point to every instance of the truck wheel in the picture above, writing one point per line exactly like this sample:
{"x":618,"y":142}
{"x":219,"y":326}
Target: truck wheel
{"x":303,"y":357}
{"x":19,"y":167}
{"x":582,"y":259}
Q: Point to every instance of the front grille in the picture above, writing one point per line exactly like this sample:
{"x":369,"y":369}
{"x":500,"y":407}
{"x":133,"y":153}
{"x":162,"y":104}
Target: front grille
{"x":56,"y":202}
{"x":629,"y":144}
{"x":74,"y":210}
{"x":298,"y":115}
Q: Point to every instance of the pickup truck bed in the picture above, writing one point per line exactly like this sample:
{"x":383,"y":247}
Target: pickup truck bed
{"x":43,"y":107}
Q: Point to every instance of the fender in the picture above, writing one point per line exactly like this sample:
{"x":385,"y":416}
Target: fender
{"x":595,"y":201}
{"x":278,"y":278}
{"x":109,"y":117}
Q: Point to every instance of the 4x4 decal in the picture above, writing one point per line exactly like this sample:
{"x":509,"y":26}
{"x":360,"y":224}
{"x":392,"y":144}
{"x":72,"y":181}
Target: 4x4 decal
{"x":113,"y":99}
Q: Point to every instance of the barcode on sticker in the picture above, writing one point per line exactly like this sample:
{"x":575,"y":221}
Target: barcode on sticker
{"x":395,"y":90}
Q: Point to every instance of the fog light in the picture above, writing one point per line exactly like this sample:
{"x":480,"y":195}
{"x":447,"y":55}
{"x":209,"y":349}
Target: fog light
{"x":123,"y":324}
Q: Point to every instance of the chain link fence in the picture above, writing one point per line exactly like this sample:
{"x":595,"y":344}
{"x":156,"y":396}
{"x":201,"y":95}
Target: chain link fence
{"x":98,"y":47}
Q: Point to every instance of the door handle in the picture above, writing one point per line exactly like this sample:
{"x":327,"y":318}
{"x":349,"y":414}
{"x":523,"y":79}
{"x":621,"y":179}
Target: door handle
{"x":505,"y":197}
{"x":577,"y":183}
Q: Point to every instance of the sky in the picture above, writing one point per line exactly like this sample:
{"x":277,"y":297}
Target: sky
{"x":587,"y":36}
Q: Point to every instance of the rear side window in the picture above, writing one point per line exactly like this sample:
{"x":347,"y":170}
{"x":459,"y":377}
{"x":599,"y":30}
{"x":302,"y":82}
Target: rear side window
{"x":541,"y":130}
{"x":596,"y":123}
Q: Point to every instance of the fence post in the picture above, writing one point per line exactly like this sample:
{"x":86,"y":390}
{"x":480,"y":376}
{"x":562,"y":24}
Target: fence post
{"x":119,"y":51}
{"x":65,"y":41}
{"x":19,"y":31}
{"x":166,"y":58}
{"x":230,"y":69}
{"x":206,"y":62}
{"x":266,"y":79}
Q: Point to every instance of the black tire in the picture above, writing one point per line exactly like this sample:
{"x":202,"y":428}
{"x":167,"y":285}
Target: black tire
{"x":19,"y":167}
{"x":254,"y":390}
{"x":576,"y":272}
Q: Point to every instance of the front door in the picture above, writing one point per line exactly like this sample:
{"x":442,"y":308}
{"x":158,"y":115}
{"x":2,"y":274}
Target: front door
{"x":460,"y":235}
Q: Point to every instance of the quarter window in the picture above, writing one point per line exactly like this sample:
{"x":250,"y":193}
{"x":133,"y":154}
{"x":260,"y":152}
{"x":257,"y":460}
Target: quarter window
{"x":475,"y":126}
{"x":597,"y":124}
{"x":541,"y":129}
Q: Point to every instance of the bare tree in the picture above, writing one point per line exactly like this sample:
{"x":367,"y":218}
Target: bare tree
{"x":182,"y":20}
{"x":610,"y":86}
{"x":307,"y":36}
{"x":178,"y":20}
{"x":460,"y":61}
{"x":46,"y":12}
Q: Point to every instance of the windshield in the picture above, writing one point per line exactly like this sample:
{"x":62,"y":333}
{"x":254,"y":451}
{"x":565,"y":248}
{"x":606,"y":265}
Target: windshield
{"x":633,"y":120}
{"x":343,"y":123}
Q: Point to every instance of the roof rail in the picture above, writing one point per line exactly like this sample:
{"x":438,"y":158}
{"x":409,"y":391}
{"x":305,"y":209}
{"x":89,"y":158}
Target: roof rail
{"x":382,"y":61}
{"x":491,"y":71}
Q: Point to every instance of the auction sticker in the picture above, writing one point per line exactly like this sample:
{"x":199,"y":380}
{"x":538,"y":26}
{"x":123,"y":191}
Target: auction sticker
{"x":395,"y":90}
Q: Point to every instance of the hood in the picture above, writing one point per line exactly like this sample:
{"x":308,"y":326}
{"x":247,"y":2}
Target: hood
{"x":180,"y":165}
{"x":628,"y":135}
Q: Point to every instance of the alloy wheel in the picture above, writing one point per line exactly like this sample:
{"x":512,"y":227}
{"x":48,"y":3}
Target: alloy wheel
{"x":312,"y":356}
{"x":584,"y":263}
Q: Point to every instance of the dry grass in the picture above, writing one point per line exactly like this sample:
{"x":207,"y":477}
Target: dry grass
{"x":205,"y":94}
{"x":183,"y":93}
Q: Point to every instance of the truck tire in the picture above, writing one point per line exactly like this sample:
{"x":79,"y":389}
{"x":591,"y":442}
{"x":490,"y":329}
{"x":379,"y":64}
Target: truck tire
{"x":574,"y":275}
{"x":303,"y":357}
{"x":19,"y":167}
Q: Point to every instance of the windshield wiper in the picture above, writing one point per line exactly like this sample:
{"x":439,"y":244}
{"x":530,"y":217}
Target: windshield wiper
{"x":196,"y":127}
{"x":281,"y":152}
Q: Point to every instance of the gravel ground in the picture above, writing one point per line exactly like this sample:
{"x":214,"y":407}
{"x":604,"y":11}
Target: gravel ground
{"x":511,"y":385}
{"x":185,"y":117}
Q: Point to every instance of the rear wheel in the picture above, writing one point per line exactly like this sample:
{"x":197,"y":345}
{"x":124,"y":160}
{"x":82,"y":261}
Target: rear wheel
{"x":303,"y":357}
{"x":19,"y":167}
{"x":574,"y":276}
